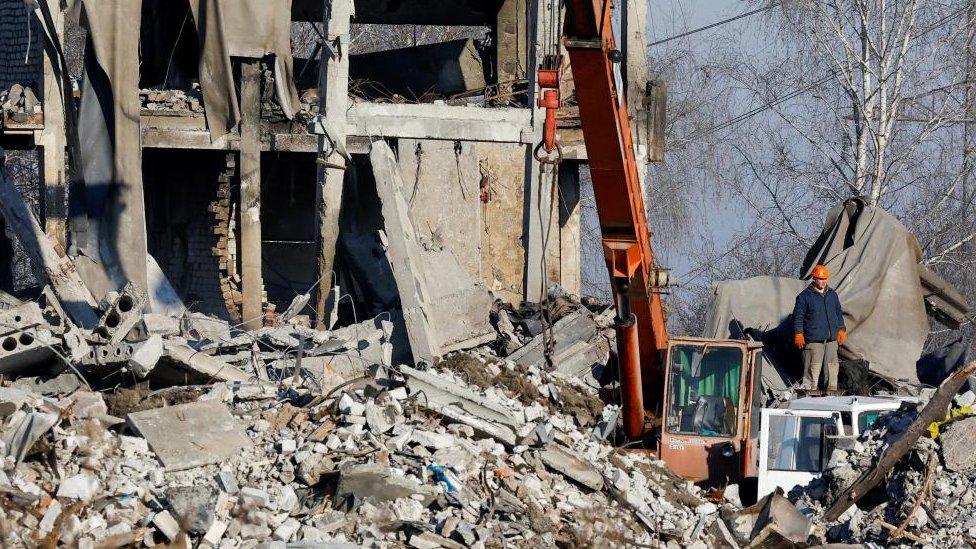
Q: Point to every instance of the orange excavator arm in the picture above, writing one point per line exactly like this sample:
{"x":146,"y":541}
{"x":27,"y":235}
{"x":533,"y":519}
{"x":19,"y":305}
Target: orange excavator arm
{"x":641,"y":331}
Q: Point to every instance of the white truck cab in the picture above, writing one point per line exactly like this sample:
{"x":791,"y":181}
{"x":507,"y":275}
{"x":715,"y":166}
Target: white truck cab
{"x":795,"y":442}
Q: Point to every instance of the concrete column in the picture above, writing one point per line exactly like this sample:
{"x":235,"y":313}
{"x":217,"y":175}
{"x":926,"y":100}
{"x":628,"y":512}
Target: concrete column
{"x":512,"y":42}
{"x":52,"y":142}
{"x":334,"y":102}
{"x":569,"y":228}
{"x":634,"y":47}
{"x":250,"y":196}
{"x":536,"y":203}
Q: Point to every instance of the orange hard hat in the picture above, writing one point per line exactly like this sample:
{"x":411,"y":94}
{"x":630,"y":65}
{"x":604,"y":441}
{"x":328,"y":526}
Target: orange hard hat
{"x":821,"y":272}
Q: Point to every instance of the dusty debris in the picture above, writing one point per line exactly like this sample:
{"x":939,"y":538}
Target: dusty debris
{"x":403,"y":456}
{"x":20,"y":106}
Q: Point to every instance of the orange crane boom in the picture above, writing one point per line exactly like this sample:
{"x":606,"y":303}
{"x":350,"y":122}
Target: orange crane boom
{"x":641,"y":331}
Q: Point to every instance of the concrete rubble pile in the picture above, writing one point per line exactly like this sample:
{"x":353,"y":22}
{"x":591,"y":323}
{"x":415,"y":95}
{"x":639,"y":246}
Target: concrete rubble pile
{"x":19,"y":103}
{"x":172,"y":100}
{"x":925,"y":499}
{"x":290,"y":435}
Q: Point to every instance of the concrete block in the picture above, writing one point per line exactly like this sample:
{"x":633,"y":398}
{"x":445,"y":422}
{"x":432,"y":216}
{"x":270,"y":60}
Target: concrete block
{"x":350,"y":407}
{"x":87,"y":405}
{"x":562,"y":461}
{"x":194,"y":506}
{"x":145,"y":355}
{"x":433,"y":440}
{"x":166,"y":524}
{"x":109,"y":353}
{"x":133,"y":445}
{"x":255,"y":496}
{"x":82,"y":486}
{"x":23,"y":343}
{"x":212,"y":538}
{"x":379,"y":418}
{"x":123,"y":311}
{"x":287,"y":445}
{"x":287,"y":530}
{"x":190,"y":435}
{"x":287,"y":500}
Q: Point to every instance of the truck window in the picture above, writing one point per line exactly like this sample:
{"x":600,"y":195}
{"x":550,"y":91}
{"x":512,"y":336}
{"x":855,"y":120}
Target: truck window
{"x":704,"y":390}
{"x":799,"y":443}
{"x":845,"y":418}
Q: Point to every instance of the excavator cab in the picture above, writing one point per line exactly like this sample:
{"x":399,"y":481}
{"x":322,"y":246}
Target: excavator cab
{"x":710,"y":424}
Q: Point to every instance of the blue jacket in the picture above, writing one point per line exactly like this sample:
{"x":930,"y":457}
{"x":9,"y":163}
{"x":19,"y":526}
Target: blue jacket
{"x":818,"y":317}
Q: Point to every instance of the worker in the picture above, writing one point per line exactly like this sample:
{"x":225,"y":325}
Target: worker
{"x":818,"y":328}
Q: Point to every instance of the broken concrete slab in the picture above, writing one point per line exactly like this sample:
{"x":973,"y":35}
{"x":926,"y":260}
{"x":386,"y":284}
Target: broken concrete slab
{"x":379,"y":483}
{"x":190,"y":435}
{"x":772,"y":522}
{"x":567,"y":332}
{"x":204,"y":364}
{"x":463,"y":405}
{"x":49,"y":261}
{"x":159,"y":324}
{"x":564,"y":462}
{"x":163,"y":297}
{"x":443,"y":309}
{"x":22,"y":429}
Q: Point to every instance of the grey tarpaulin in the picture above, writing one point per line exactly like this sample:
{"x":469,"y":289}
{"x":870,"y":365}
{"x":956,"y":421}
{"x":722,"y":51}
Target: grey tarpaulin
{"x":759,"y":307}
{"x":108,"y":221}
{"x":243,"y":28}
{"x":874,"y":266}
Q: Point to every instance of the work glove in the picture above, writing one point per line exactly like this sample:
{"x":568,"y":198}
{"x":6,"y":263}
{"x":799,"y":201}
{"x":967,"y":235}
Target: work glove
{"x":841,"y":336}
{"x":799,"y":341}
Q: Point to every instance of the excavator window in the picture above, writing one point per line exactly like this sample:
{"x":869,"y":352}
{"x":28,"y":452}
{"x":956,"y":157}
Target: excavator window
{"x":704,"y":390}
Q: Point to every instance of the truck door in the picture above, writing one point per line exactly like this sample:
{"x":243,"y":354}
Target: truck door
{"x":794,"y":447}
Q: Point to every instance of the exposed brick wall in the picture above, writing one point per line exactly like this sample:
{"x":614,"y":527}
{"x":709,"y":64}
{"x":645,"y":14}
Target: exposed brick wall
{"x":179,"y":186}
{"x":201,"y":276}
{"x":20,"y":40}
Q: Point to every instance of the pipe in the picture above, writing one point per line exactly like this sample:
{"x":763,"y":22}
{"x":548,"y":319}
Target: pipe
{"x":628,"y":358}
{"x":628,"y":355}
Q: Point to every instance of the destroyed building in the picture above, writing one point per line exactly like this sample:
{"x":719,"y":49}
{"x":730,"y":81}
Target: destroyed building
{"x":298,"y":275}
{"x":248,"y":185}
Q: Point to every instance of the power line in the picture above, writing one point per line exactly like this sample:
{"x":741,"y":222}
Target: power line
{"x":749,"y":114}
{"x":713,"y":25}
